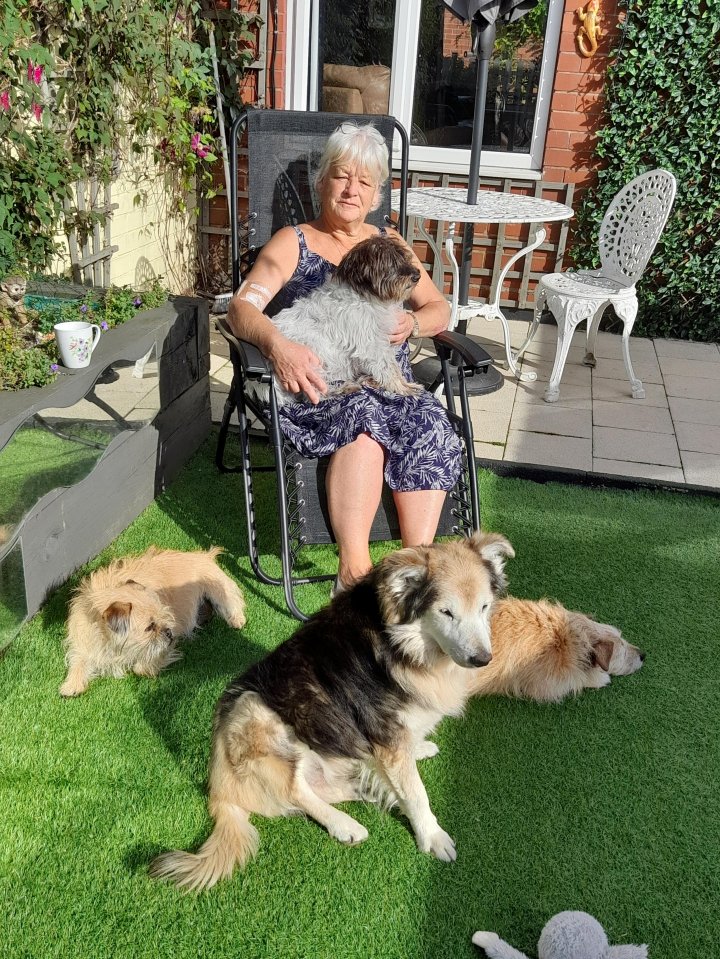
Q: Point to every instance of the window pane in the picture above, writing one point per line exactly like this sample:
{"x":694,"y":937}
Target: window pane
{"x":355,"y":53}
{"x":445,"y":81}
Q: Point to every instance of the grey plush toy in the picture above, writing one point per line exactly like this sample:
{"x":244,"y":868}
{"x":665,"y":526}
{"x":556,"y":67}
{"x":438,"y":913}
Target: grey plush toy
{"x":568,"y":935}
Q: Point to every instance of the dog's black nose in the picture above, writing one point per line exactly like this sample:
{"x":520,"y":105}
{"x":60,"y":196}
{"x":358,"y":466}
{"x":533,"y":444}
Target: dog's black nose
{"x":642,"y":657}
{"x":480,"y":660}
{"x":415,"y":276}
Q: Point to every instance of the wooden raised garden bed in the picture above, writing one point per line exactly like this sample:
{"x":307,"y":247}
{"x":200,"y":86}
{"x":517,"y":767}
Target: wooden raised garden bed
{"x":82,"y":457}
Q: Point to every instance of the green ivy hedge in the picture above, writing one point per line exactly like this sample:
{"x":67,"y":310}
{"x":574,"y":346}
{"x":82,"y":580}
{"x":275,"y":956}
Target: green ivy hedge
{"x":663,"y":110}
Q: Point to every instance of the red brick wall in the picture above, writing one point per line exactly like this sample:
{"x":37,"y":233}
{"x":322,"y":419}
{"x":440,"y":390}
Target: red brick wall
{"x":577,"y":102}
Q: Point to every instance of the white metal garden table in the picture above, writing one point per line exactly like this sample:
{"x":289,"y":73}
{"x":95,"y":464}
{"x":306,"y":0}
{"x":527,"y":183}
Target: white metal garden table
{"x":449,"y":205}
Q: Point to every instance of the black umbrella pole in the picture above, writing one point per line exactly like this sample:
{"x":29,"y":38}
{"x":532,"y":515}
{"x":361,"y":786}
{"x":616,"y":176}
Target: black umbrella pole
{"x":484,"y":43}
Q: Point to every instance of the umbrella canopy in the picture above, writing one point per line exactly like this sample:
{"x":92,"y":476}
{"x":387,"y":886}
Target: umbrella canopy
{"x":489,"y":10}
{"x":483,"y":16}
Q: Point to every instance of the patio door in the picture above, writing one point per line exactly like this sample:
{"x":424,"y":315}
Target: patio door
{"x":412,"y":59}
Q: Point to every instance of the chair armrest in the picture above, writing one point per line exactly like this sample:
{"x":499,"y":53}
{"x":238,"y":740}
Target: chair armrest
{"x":468,"y":350}
{"x":254,"y":364}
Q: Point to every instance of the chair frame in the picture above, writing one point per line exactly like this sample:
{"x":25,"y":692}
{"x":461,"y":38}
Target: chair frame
{"x":297,"y":489}
{"x":629,"y":233}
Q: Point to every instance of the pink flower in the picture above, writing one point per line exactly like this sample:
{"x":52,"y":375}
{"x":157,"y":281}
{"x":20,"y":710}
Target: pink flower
{"x":34,"y":73}
{"x":197,"y":147}
{"x":37,"y":110}
{"x":4,"y":100}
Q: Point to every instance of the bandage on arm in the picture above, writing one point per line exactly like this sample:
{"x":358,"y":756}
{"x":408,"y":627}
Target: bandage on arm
{"x":255,"y":294}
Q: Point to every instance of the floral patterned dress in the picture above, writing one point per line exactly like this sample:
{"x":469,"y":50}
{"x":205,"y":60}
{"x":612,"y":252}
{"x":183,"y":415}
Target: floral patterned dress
{"x":422,"y":451}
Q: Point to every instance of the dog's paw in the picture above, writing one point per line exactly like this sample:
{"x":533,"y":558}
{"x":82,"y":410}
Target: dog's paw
{"x":347,"y":831}
{"x":440,"y":845}
{"x":73,"y":688}
{"x":237,"y":620}
{"x":426,"y":750}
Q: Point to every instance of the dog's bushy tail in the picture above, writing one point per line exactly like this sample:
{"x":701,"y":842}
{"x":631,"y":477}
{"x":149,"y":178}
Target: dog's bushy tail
{"x":233,"y":842}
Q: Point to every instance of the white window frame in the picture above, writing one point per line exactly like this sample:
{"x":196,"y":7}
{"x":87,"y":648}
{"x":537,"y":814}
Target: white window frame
{"x":301,"y":88}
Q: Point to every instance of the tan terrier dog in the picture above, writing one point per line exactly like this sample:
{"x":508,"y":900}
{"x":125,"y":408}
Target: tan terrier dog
{"x":129,"y":615}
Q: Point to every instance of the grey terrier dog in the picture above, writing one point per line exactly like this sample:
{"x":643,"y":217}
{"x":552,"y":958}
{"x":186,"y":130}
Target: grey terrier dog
{"x":348,"y":321}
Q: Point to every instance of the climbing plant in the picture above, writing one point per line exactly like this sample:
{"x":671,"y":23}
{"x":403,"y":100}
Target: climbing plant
{"x":663,"y":110}
{"x":86,"y":84}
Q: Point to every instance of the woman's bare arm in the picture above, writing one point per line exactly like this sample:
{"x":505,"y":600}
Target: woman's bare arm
{"x":295,"y":365}
{"x":427,"y":303}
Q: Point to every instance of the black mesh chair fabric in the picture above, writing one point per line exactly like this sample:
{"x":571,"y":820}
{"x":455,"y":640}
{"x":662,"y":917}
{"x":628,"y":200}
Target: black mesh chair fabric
{"x":284,"y":149}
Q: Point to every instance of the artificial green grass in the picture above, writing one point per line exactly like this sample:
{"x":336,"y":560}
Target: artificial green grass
{"x":607,"y":803}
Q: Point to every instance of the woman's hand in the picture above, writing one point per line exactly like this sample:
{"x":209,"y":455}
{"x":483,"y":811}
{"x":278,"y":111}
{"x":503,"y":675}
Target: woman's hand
{"x":296,"y":369}
{"x":404,"y":328}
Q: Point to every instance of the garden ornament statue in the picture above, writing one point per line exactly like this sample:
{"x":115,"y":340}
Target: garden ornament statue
{"x":588,"y":29}
{"x":568,"y":935}
{"x":12,"y":291}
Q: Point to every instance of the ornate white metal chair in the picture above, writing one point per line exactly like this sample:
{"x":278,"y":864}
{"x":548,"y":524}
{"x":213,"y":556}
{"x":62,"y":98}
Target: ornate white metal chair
{"x":629,"y":232}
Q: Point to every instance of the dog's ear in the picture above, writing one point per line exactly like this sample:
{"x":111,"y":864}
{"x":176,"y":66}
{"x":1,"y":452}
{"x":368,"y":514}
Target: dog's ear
{"x":403,"y":584}
{"x":602,"y":650}
{"x":117,"y":617}
{"x":494,"y":549}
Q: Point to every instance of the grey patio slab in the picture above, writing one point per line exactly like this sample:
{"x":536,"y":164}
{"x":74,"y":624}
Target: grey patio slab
{"x":217,"y":405}
{"x":694,"y":388}
{"x":552,"y":419}
{"x":694,"y":411}
{"x":698,"y":438}
{"x":544,"y":353}
{"x":618,"y":391}
{"x":574,"y":396}
{"x":219,"y":346}
{"x":635,"y":446}
{"x":649,"y":471}
{"x":646,"y":370}
{"x":575,"y":372}
{"x":609,"y":345}
{"x":221,"y":377}
{"x":632,"y":416}
{"x":501,"y":400}
{"x":490,"y":427}
{"x":672,"y":366}
{"x":489,"y":451}
{"x":570,"y":452}
{"x":684,"y":349}
{"x":702,"y":469}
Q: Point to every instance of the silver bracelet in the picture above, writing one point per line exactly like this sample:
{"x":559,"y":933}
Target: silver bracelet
{"x":416,"y":323}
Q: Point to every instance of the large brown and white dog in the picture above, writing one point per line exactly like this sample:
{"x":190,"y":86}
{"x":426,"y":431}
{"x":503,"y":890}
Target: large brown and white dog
{"x":340,"y":711}
{"x":545,"y":652}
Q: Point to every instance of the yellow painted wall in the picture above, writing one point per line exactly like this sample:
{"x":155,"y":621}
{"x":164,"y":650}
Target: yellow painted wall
{"x":153,"y":243}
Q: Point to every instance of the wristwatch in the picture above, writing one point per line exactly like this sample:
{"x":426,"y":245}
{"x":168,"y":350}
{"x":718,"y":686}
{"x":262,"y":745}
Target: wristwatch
{"x":416,"y":324}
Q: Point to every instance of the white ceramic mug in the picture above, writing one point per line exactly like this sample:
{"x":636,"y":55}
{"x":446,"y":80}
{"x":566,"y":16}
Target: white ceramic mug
{"x":76,"y":342}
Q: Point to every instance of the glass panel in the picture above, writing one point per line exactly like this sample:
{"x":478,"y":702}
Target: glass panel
{"x":355,"y":52}
{"x":59,"y":447}
{"x":445,"y":81}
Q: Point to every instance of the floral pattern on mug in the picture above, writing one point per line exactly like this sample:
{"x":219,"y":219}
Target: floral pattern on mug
{"x":80,"y":348}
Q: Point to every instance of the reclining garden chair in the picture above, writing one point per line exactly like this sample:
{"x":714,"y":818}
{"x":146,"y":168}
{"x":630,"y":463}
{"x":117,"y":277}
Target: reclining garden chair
{"x":284,"y":148}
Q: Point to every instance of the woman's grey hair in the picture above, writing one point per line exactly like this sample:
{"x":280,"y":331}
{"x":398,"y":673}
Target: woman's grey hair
{"x":360,"y":145}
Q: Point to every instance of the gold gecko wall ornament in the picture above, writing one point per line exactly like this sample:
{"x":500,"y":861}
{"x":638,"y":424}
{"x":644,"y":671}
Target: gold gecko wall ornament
{"x":588,"y":31}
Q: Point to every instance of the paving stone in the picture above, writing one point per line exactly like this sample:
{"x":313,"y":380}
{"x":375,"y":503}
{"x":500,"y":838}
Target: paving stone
{"x":217,"y":406}
{"x":648,"y":371}
{"x":634,"y":415}
{"x":693,"y":388}
{"x":489,"y":451}
{"x":649,"y":471}
{"x":552,"y":419}
{"x":609,"y":345}
{"x":635,"y":446}
{"x":698,"y":438}
{"x":702,"y":469}
{"x":673,"y":366}
{"x":221,"y":378}
{"x":694,"y":411}
{"x":490,"y":427}
{"x":684,"y":349}
{"x":539,"y":449}
{"x":618,"y":391}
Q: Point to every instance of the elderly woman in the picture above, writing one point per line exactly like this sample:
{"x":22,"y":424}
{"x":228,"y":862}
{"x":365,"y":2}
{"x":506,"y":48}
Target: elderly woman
{"x":370,"y":434}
